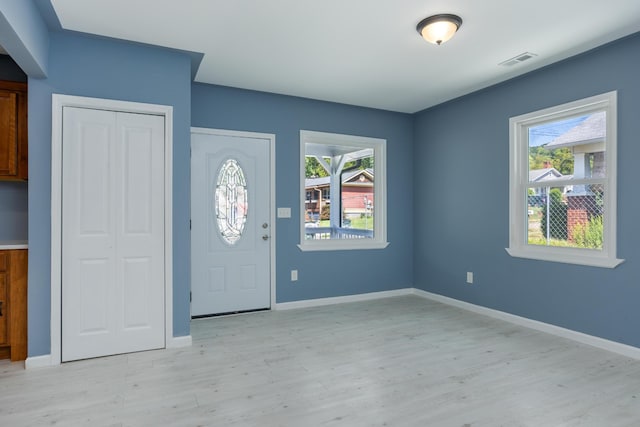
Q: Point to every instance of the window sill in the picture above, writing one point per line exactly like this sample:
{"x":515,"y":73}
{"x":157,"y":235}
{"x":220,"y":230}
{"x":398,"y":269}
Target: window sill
{"x":343,"y":245}
{"x":546,"y":255}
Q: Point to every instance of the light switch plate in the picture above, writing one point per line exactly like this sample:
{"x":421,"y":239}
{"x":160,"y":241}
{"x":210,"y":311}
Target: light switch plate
{"x":284,"y":212}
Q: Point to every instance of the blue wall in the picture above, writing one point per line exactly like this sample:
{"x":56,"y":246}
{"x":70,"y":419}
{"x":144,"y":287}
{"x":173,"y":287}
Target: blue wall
{"x":23,"y":33}
{"x":13,"y":195}
{"x":322,"y":274}
{"x":86,"y":66}
{"x":13,"y":210}
{"x":461,"y":190}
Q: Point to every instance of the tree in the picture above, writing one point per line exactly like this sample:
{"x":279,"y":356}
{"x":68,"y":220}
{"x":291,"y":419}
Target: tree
{"x":326,"y":212}
{"x":360,"y":164}
{"x":557,"y":216}
{"x":313,"y":168}
{"x":367,"y":163}
{"x":561,"y":159}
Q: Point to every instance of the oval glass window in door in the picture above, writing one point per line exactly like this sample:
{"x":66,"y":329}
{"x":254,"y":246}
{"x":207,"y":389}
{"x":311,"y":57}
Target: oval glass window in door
{"x":231,"y":201}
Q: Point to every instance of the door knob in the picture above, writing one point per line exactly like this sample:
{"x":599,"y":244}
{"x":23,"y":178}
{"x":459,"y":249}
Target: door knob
{"x":265,"y":237}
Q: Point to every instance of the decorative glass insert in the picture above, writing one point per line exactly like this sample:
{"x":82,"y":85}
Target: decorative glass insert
{"x":231,"y":201}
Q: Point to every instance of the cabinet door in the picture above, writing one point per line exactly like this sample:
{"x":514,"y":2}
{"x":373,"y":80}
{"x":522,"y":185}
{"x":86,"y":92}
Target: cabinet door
{"x":8,"y":133}
{"x":17,"y":304}
{"x":3,"y":308}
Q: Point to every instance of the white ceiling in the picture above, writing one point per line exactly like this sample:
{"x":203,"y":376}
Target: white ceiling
{"x":360,"y":52}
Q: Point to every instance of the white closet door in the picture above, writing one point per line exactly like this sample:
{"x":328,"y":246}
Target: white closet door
{"x":112,"y":233}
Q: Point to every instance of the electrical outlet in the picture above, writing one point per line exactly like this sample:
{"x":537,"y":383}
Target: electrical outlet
{"x":294,"y":275}
{"x":469,"y":277}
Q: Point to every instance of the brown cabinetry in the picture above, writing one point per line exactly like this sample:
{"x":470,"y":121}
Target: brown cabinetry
{"x":13,"y":304}
{"x":13,"y":131}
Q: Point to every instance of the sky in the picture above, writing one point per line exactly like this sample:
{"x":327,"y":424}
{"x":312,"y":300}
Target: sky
{"x":543,"y":134}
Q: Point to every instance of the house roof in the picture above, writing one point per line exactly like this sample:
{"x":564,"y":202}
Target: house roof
{"x":590,"y":131}
{"x":362,"y":175}
{"x":346,"y":177}
{"x":545,"y":174}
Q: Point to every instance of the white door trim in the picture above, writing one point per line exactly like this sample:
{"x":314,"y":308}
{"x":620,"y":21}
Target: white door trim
{"x":58,"y":103}
{"x":272,"y":190}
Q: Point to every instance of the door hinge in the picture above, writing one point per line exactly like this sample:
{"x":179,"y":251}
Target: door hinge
{"x":190,"y":296}
{"x":189,"y":224}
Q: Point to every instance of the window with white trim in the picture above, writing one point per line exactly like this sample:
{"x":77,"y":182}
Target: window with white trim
{"x":343,"y":186}
{"x":562,"y":183}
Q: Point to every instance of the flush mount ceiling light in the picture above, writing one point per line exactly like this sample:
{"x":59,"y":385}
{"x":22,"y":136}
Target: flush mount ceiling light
{"x":437,"y":29}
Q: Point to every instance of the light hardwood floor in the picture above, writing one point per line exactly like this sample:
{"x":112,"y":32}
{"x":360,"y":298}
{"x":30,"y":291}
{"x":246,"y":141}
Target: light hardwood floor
{"x":401,"y":361}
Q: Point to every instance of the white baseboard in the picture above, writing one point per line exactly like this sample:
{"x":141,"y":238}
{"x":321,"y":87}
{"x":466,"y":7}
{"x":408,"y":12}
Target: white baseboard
{"x":177,"y":342}
{"x":37,"y":362}
{"x":604,"y":344}
{"x":43,"y":361}
{"x":341,"y":300}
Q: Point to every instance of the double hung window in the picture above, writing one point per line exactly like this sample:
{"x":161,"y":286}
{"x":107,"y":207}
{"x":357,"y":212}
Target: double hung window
{"x":563,"y":183}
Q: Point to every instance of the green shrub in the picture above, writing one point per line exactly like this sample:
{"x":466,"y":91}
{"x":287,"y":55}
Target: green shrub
{"x":589,"y":235}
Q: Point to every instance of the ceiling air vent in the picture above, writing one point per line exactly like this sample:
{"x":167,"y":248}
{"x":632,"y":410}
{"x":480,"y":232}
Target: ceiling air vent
{"x":518,"y":59}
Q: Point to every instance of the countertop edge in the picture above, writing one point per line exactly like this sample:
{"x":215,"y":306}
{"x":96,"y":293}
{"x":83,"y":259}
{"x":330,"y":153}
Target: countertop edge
{"x":13,"y":244}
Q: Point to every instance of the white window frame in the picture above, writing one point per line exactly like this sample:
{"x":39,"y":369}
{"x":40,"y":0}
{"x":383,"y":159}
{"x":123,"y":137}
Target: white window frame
{"x":519,"y":182}
{"x":379,"y":147}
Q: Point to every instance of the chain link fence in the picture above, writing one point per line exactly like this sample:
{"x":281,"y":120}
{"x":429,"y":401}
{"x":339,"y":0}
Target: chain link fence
{"x":566,"y":218}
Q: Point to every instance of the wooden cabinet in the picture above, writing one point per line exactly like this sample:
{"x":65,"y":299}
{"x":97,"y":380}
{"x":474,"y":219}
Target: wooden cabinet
{"x":13,"y":131}
{"x":13,"y":304}
{"x":3,"y":300}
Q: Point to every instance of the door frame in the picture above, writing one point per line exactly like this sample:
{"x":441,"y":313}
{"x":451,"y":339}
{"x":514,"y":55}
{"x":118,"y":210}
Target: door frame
{"x":58,"y":103}
{"x":272,"y":195}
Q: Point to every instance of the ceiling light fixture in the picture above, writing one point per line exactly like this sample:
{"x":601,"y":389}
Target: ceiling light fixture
{"x":437,"y":29}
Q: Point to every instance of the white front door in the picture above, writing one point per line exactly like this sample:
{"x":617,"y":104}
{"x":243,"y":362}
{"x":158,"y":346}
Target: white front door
{"x":230,"y":222}
{"x":113,"y":273}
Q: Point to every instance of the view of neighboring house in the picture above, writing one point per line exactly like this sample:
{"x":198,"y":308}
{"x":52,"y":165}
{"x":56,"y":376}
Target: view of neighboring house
{"x":357,"y":194}
{"x":587,"y":144}
{"x":586,"y":141}
{"x":548,"y":173}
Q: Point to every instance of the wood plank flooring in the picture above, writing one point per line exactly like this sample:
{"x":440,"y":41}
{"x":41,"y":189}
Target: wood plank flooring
{"x":401,"y":361}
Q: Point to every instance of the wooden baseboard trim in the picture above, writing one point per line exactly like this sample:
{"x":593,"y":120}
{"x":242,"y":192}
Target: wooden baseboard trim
{"x":341,"y":300}
{"x":601,"y":343}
